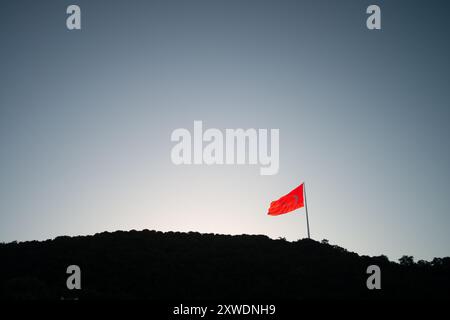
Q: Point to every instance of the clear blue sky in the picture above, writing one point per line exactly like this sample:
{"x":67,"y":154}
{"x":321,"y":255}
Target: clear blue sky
{"x":86,"y":119}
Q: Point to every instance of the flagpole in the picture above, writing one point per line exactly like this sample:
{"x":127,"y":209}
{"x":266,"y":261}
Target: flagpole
{"x":306,"y":208}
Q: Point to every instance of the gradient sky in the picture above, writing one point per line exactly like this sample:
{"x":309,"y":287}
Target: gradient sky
{"x":86,"y":118}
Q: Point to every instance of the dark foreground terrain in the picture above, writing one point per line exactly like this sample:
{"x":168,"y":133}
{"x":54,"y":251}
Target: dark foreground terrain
{"x":155,"y":265}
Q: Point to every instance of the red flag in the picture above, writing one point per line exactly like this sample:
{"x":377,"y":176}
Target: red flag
{"x":287,"y":203}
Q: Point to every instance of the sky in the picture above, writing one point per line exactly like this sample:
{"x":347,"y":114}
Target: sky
{"x":86,"y":118}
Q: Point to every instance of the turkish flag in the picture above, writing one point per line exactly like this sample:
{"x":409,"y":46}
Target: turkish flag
{"x":287,"y":203}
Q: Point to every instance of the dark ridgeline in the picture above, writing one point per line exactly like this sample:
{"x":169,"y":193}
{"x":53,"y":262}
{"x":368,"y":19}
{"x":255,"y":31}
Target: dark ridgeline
{"x":155,"y":265}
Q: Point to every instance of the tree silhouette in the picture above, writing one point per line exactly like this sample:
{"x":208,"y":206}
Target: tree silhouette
{"x":406,"y":260}
{"x":172,"y":265}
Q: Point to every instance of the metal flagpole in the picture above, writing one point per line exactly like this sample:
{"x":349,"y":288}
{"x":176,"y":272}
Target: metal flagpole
{"x":306,"y":208}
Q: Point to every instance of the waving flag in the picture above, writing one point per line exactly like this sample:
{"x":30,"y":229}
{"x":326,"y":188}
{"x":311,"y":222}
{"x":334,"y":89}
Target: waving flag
{"x":287,"y":203}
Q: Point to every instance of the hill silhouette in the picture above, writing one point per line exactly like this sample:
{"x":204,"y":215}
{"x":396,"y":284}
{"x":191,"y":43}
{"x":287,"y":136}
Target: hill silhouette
{"x":156,"y":265}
